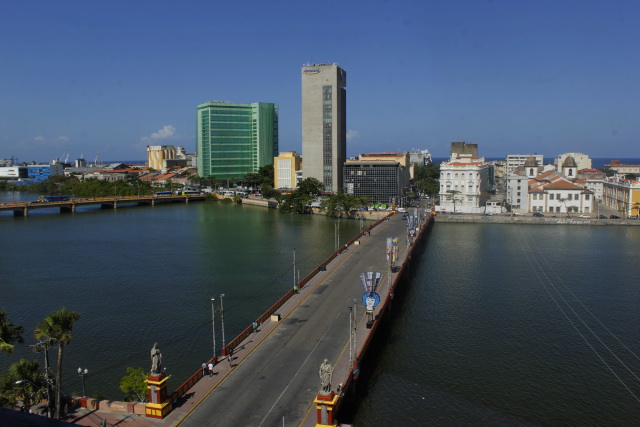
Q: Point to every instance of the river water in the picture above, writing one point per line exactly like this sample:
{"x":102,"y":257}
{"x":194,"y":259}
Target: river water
{"x":513,"y":325}
{"x":138,"y":275}
{"x":497,"y":324}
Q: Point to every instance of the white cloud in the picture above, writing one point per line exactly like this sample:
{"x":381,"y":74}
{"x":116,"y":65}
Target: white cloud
{"x":352,"y":135}
{"x":167,"y":132}
{"x":63,"y":138}
{"x":38,"y":138}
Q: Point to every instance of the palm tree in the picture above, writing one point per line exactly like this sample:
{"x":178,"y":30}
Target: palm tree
{"x":58,"y":326}
{"x":9,"y":333}
{"x":23,"y":382}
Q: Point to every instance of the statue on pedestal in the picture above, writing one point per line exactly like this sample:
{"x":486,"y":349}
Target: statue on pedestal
{"x":156,"y":360}
{"x":325,"y":376}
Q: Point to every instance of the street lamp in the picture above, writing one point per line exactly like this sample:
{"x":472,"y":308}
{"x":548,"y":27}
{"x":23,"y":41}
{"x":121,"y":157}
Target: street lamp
{"x":83,"y":374}
{"x":213,"y":325}
{"x":222,"y":319}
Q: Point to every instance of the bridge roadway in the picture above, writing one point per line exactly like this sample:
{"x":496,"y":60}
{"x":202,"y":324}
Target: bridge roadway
{"x":274,"y":378}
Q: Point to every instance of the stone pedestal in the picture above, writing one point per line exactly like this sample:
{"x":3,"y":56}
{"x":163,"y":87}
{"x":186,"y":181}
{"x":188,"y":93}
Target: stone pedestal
{"x":159,"y":405}
{"x":324,"y":409}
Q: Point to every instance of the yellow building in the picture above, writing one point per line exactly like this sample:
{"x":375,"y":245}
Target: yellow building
{"x":285,"y":167}
{"x":157,"y":154}
{"x":621,"y":194}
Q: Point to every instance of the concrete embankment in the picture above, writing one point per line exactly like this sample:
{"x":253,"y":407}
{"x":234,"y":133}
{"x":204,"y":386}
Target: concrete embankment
{"x":500,"y":219}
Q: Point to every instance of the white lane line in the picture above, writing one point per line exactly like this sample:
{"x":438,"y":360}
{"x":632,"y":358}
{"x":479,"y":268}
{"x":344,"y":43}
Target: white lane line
{"x":296,"y":374}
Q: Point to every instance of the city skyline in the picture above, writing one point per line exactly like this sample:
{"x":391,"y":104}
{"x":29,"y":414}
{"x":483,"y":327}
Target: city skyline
{"x":112,"y":78}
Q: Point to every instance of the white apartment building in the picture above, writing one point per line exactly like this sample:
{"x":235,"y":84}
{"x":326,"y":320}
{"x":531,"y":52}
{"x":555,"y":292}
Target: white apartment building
{"x":515,"y":160}
{"x":464,"y":184}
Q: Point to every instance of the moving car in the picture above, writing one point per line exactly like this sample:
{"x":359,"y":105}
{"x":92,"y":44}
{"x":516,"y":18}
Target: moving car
{"x":518,"y":214}
{"x":585,"y":216}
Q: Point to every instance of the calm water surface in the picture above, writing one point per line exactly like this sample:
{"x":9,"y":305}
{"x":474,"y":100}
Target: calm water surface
{"x":514,"y":325}
{"x":498,"y":324}
{"x":144,"y":274}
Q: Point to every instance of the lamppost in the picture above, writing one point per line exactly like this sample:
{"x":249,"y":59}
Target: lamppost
{"x":213,"y":325}
{"x":222,"y":319}
{"x":83,"y":374}
{"x":350,"y":334}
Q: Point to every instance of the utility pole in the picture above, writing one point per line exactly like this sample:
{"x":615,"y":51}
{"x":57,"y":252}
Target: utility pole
{"x":213,"y":325}
{"x":222,"y":319}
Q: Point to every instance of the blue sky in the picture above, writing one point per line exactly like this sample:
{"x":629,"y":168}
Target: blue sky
{"x":513,"y":76}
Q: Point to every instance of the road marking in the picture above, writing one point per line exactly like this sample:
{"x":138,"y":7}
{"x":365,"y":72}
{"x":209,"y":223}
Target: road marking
{"x":297,"y":372}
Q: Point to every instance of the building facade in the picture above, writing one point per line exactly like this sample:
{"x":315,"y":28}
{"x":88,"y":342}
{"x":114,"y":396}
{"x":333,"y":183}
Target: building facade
{"x":582,"y":160}
{"x":157,"y":154}
{"x":464,"y":184}
{"x":43,"y":172}
{"x":235,"y":139}
{"x":324,"y":124}
{"x":285,"y":168}
{"x":621,"y":194}
{"x":515,"y":160}
{"x":550,"y":192}
{"x":380,"y":181}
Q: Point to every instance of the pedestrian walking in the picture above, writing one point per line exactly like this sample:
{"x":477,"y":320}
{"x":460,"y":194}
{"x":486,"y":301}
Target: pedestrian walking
{"x":295,"y":288}
{"x":230,"y":358}
{"x":210,"y":366}
{"x":204,"y":369}
{"x":255,"y":326}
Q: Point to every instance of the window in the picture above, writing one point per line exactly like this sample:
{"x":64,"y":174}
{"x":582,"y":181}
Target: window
{"x":587,"y":197}
{"x":551,"y":197}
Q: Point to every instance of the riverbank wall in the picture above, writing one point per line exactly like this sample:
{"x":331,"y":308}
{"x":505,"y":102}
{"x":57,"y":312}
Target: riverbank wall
{"x":500,"y":219}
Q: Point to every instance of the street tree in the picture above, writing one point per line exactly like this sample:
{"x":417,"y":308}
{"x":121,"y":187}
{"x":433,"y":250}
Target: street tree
{"x":454,"y":197}
{"x":134,"y":385}
{"x":22,"y":382}
{"x":58,"y":326}
{"x":9,"y":334}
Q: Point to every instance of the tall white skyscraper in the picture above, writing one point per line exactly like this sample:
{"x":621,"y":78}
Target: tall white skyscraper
{"x":324,"y":124}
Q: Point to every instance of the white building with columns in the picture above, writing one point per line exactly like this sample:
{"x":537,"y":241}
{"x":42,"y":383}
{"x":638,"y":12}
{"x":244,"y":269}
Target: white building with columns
{"x":464,"y":184}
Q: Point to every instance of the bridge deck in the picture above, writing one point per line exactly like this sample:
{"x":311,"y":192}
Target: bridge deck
{"x":275,"y":372}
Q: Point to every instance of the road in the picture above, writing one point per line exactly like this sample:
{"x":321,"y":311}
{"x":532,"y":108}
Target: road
{"x":276,"y":382}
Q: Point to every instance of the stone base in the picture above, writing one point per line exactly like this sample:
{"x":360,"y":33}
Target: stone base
{"x":324,"y":409}
{"x":159,"y":411}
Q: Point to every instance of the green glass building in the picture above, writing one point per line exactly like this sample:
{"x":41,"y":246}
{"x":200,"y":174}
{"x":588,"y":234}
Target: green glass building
{"x":235,"y":139}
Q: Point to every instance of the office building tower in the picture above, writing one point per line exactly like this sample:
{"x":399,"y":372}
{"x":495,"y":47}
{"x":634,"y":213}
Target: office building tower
{"x":324,"y":124}
{"x":235,"y":139}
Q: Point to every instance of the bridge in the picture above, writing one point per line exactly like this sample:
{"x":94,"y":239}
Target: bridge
{"x":23,"y":208}
{"x":270,"y":376}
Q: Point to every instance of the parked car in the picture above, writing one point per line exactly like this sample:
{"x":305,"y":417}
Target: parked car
{"x":602,"y":217}
{"x":634,"y":217}
{"x":585,"y":216}
{"x":518,"y":214}
{"x":614,"y":217}
{"x":539,"y":214}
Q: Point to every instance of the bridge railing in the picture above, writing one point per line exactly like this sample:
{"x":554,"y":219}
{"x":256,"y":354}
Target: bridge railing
{"x":271,"y":310}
